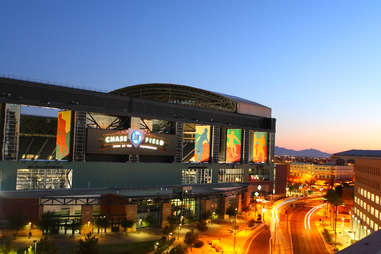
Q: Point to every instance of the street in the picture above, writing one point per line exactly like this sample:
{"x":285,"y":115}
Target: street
{"x":299,"y":236}
{"x":260,"y":244}
{"x":305,"y":241}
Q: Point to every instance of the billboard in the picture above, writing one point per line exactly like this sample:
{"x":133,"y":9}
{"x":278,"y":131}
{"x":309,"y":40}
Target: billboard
{"x":259,"y":147}
{"x":202,"y":143}
{"x":63,"y":134}
{"x":129,"y":141}
{"x":233,"y":145}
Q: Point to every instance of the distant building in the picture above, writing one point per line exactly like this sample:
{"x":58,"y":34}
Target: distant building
{"x":282,"y":171}
{"x":305,"y":172}
{"x":350,"y":156}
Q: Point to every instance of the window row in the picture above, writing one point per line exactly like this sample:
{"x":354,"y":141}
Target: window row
{"x":371,"y":224}
{"x":35,"y":179}
{"x":368,"y":195}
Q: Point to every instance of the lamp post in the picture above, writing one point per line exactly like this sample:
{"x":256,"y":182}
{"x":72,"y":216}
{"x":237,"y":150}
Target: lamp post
{"x":35,"y":246}
{"x":255,"y":204}
{"x":263,"y":214}
{"x":178,"y":232}
{"x":235,"y":227}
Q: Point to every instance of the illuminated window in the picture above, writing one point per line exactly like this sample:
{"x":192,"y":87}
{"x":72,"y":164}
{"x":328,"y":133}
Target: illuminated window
{"x":372,"y":197}
{"x":367,"y":220}
{"x":371,"y":224}
{"x":34,"y":179}
{"x":372,"y":210}
{"x":368,"y":194}
{"x":230,"y":175}
{"x":196,"y":176}
{"x":376,"y":213}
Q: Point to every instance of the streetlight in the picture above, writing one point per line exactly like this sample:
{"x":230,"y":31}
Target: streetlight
{"x":35,"y":246}
{"x":263,"y":216}
{"x":255,"y":203}
{"x":178,"y":232}
{"x":235,"y":227}
{"x":156,"y":245}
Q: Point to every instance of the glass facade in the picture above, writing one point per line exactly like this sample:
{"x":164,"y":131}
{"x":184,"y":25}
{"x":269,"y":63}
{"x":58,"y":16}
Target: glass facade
{"x":36,"y":179}
{"x":196,"y":176}
{"x":185,"y":207}
{"x":230,"y":175}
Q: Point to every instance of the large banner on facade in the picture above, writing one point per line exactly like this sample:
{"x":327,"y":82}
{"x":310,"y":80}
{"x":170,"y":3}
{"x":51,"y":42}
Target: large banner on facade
{"x":259,"y":147}
{"x":202,"y":143}
{"x":63,"y":134}
{"x":233,"y":145}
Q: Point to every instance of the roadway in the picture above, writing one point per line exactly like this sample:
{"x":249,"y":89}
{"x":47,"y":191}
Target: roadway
{"x":299,"y":236}
{"x":260,"y":244}
{"x":306,"y":238}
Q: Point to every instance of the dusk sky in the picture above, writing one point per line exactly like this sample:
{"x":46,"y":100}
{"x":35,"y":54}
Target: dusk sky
{"x":317,"y":64}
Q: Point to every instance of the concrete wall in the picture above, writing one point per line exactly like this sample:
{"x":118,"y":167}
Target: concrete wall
{"x":113,"y":174}
{"x":99,"y":174}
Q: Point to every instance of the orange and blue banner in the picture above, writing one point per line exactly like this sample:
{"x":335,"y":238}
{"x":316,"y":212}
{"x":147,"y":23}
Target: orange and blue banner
{"x":260,"y":147}
{"x":63,"y":134}
{"x":233,"y":145}
{"x":202,"y":143}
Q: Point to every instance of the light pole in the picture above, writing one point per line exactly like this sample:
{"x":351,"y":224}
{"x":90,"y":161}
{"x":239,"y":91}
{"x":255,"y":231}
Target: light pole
{"x":263,"y":214}
{"x":178,"y":232}
{"x":35,"y":246}
{"x":235,"y":227}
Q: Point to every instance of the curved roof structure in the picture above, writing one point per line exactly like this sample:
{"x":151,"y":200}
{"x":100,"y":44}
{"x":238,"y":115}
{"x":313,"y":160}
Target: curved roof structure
{"x":196,"y":97}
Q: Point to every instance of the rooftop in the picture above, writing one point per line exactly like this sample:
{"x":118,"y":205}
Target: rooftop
{"x":360,"y":153}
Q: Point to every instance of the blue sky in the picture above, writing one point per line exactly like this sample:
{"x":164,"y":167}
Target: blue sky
{"x":315,"y":63}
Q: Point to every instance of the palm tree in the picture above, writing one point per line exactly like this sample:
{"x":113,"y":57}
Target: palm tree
{"x":48,"y":223}
{"x":334,"y":198}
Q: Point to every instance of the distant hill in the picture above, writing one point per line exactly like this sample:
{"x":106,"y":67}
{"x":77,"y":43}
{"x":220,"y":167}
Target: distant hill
{"x":302,"y":153}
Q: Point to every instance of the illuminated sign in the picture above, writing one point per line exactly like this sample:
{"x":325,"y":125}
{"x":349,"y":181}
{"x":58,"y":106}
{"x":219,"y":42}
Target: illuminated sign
{"x":133,"y":138}
{"x":136,"y":137}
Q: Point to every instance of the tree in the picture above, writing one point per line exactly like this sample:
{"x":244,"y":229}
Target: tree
{"x":126,"y":224}
{"x":16,"y":222}
{"x":334,"y":199}
{"x":5,"y":245}
{"x":190,"y":237}
{"x":45,"y":246}
{"x":48,"y":223}
{"x":178,"y":249}
{"x":101,"y":222}
{"x":231,"y":211}
{"x":201,"y":226}
{"x":88,"y":246}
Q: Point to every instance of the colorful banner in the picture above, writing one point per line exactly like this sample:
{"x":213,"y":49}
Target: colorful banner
{"x":202,"y":143}
{"x":259,"y":147}
{"x":63,"y":134}
{"x":233,"y":145}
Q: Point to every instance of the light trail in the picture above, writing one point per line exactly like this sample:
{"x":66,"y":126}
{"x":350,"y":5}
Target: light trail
{"x":275,"y":208}
{"x":307,"y":217}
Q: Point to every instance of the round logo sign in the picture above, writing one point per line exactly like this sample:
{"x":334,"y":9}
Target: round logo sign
{"x":136,"y":138}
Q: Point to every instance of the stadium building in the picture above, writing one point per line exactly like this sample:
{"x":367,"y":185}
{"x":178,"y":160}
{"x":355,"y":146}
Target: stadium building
{"x":150,"y":150}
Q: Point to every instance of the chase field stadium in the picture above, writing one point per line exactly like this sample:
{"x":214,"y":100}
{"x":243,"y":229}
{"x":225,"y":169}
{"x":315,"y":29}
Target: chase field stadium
{"x":142,"y":151}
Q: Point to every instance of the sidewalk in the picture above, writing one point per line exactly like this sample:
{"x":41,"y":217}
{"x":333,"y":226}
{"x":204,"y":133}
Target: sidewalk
{"x":221,"y":237}
{"x":344,"y":234}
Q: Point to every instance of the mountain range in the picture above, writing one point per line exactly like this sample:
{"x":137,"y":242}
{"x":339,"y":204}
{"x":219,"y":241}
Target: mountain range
{"x":301,"y":153}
